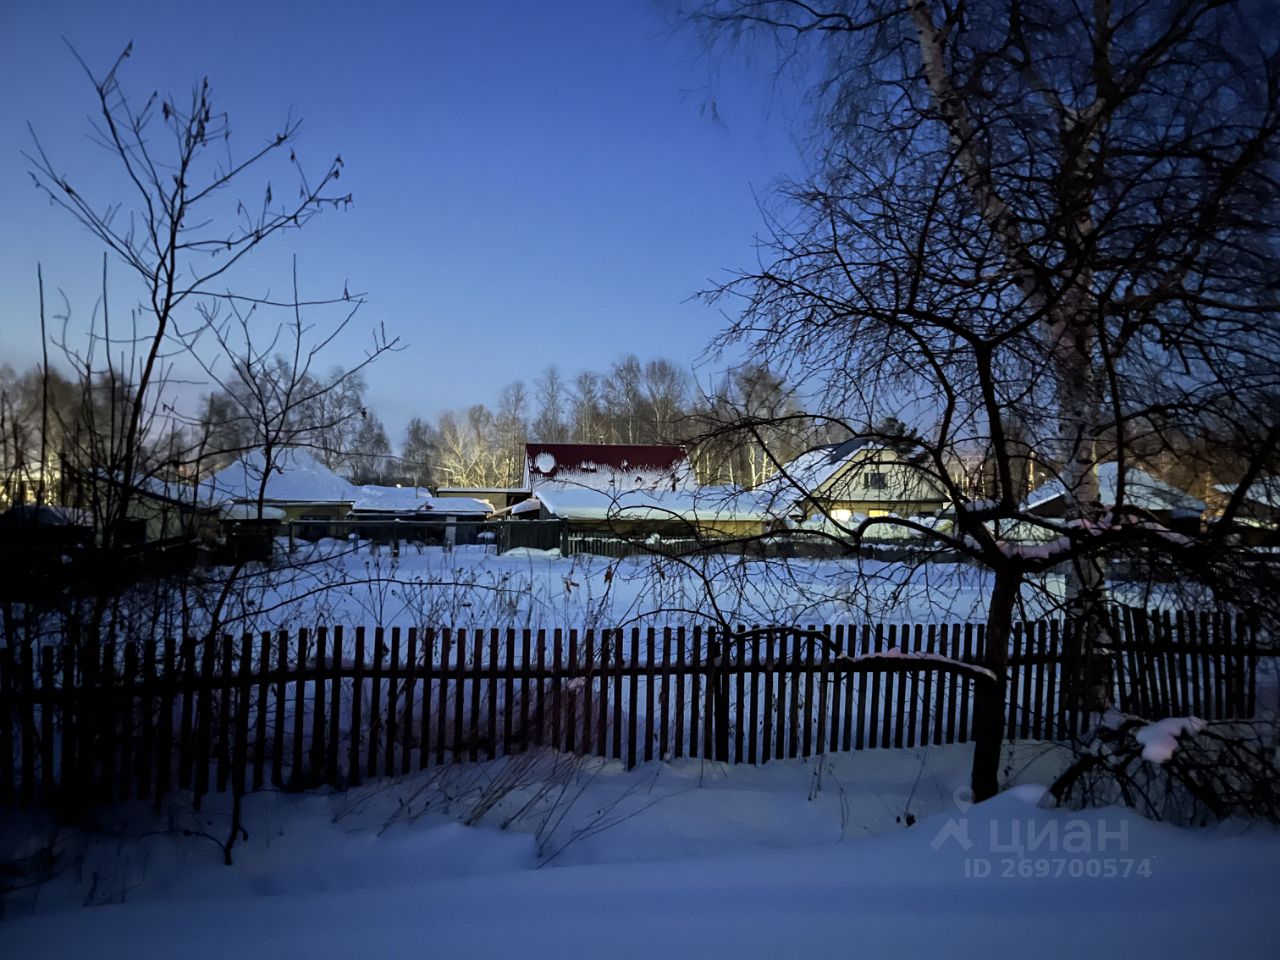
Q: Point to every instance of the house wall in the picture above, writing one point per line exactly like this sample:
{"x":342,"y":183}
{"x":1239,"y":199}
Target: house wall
{"x":165,"y":520}
{"x":903,"y":508}
{"x":903,"y":489}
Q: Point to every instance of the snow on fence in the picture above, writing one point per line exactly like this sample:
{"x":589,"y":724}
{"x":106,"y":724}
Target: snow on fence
{"x":312,"y":708}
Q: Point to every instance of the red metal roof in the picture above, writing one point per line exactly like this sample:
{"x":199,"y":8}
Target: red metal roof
{"x":549,"y":461}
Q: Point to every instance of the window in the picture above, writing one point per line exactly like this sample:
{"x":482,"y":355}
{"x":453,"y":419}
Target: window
{"x":876,"y":481}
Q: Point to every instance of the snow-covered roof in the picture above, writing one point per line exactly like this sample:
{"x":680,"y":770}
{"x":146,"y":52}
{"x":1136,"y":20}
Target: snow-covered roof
{"x":1141,"y":490}
{"x":812,"y":468}
{"x":1264,"y":491}
{"x":815,"y":470}
{"x":296,"y":477}
{"x":402,"y":500}
{"x":249,"y":511}
{"x":705,"y":504}
{"x":390,"y":499}
{"x":608,"y":465}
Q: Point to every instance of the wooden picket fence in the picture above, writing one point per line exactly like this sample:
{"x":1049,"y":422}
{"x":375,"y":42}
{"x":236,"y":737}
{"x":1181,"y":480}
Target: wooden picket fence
{"x":296,"y":711}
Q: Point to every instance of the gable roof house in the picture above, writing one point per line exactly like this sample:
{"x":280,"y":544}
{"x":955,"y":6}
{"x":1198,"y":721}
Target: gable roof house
{"x":847,"y":481}
{"x":298,"y":488}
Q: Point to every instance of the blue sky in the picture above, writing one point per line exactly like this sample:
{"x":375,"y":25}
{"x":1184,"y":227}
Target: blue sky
{"x":534,"y":183}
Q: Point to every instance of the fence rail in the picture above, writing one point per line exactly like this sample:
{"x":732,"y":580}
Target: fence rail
{"x":119,"y":721}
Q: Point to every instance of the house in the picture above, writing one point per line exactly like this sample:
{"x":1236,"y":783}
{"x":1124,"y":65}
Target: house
{"x":847,"y":481}
{"x":497,"y":498}
{"x":414,"y":503}
{"x":608,"y":466}
{"x":297,"y":489}
{"x":1143,"y":496}
{"x":702,"y":513}
{"x":408,"y":513}
{"x":1259,"y":511}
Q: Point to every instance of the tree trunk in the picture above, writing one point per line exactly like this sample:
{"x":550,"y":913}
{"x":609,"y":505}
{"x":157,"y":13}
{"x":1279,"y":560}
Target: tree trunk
{"x":988,"y":709}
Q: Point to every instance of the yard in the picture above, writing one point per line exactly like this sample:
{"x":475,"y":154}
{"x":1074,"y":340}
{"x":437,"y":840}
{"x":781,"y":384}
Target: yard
{"x":872,"y":854}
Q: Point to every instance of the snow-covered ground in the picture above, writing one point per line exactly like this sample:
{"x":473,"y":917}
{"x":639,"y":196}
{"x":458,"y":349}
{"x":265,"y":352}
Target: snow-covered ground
{"x":874,"y":854}
{"x":332,"y":582}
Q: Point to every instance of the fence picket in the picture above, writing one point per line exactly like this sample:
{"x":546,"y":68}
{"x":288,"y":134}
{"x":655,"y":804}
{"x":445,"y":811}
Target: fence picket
{"x":539,"y":724}
{"x":525,"y":644}
{"x":393,"y":703}
{"x":357,"y":718}
{"x":70,"y":718}
{"x":318,"y":726}
{"x":243,"y":693}
{"x":260,"y":733}
{"x":664,"y":743}
{"x":617,"y":691}
{"x":695,"y":701}
{"x":297,"y":776}
{"x":648,"y":694}
{"x":680,"y":680}
{"x":632,"y":697}
{"x":410,"y":692}
{"x":48,"y":705}
{"x":8,"y":691}
{"x":823,"y":692}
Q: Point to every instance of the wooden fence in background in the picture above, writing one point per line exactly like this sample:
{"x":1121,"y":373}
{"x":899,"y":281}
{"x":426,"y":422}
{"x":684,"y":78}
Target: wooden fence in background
{"x":328,"y":707}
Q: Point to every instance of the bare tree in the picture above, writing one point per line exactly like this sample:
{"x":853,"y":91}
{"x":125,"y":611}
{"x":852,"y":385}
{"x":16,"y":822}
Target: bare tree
{"x":419,"y":452}
{"x":183,"y":232}
{"x":549,"y":425}
{"x":1059,"y":215}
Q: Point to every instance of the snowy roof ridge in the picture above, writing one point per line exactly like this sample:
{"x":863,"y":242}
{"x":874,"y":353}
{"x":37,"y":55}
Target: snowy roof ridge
{"x":1141,"y":489}
{"x":295,"y":476}
{"x":815,"y":467}
{"x":577,"y":502}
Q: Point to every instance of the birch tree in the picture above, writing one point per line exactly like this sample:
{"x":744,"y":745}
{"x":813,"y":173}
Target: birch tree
{"x":1059,"y":215}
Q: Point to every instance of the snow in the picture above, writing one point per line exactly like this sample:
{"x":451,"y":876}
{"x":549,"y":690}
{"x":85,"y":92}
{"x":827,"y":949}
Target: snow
{"x":372,"y":497}
{"x":896,"y":654}
{"x":296,"y":477}
{"x":379,"y":499}
{"x":249,"y":511}
{"x":336,"y":582}
{"x":532,"y":505}
{"x":680,"y":859}
{"x":706,"y":504}
{"x":1141,"y":490}
{"x":1264,"y":491}
{"x":1160,"y":739}
{"x":806,"y":473}
{"x":544,"y":462}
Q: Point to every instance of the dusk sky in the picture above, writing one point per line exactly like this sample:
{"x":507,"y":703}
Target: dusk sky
{"x":534,"y":183}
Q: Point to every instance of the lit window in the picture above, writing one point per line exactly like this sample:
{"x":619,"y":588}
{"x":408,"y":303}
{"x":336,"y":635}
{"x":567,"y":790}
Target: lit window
{"x":841,"y":515}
